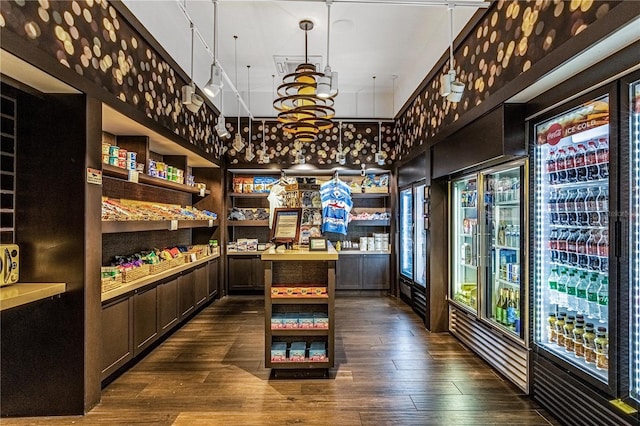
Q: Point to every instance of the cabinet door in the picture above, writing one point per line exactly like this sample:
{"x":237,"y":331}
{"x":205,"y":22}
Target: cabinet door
{"x":213,"y":278}
{"x":186,"y":294}
{"x":201,"y":285}
{"x":145,"y":319}
{"x":348,"y":273}
{"x":375,"y":272}
{"x":117,"y":342}
{"x":167,"y":305}
{"x":258,"y":273}
{"x":240,"y":272}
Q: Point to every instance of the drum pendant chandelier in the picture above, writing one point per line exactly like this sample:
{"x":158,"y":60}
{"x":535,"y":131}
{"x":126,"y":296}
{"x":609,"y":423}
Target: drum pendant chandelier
{"x":301,"y":111}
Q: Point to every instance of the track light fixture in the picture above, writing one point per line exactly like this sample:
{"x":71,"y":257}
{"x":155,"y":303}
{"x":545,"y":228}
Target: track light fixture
{"x":264,"y":157}
{"x":327,"y":86}
{"x":214,"y":85}
{"x":380,"y":156}
{"x":190,"y":99}
{"x":449,"y":85}
{"x":340,"y":156}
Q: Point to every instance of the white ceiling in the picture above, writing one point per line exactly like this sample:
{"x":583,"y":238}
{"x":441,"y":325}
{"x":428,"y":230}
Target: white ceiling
{"x":371,"y":38}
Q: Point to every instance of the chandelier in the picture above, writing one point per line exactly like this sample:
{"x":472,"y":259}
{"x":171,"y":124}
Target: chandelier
{"x":301,"y":111}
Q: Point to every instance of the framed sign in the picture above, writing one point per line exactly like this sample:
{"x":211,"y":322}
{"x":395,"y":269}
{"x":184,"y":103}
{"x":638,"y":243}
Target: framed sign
{"x":286,"y":225}
{"x":317,"y":244}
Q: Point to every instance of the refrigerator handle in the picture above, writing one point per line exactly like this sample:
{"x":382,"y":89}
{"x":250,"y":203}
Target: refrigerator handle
{"x":618,"y":236}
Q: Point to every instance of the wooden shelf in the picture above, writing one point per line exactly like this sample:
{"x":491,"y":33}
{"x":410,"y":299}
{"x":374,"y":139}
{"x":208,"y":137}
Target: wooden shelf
{"x":298,"y":365}
{"x":306,"y":300}
{"x":369,"y":195}
{"x":370,"y":223}
{"x":117,"y":172}
{"x":249,"y":194}
{"x":248,"y":223}
{"x":299,"y":331}
{"x":114,"y":227}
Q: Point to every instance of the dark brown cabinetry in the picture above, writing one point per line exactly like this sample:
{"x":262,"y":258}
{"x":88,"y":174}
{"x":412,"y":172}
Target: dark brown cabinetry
{"x":117,"y":336}
{"x":213,"y":283}
{"x":201,"y":276}
{"x":145,"y":319}
{"x":245,"y":272}
{"x":186,"y":293}
{"x":167,"y":305}
{"x":359,"y":271}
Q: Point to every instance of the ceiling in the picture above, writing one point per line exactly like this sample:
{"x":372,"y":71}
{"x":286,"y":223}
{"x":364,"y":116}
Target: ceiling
{"x":381,"y":38}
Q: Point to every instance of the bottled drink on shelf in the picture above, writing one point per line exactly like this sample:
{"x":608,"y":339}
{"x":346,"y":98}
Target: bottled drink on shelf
{"x":561,"y":201}
{"x":517,"y":312}
{"x":581,"y":248}
{"x":568,"y":333}
{"x":551,"y":168}
{"x":561,"y":166}
{"x":570,"y":205}
{"x":601,"y":344}
{"x":581,"y":163}
{"x":552,"y":282}
{"x":505,"y":306}
{"x":562,"y":316}
{"x":588,"y":339}
{"x":592,"y":297}
{"x":591,"y":204}
{"x":551,"y":329}
{"x":581,"y":293}
{"x":603,"y":300}
{"x":572,"y":284}
{"x":578,"y":340}
{"x":602,"y":156}
{"x":602,"y":199}
{"x":498,"y":316}
{"x":603,"y":244}
{"x":501,"y":234}
{"x":593,"y":172}
{"x":553,"y":239}
{"x":508,"y":235}
{"x":570,"y":165}
{"x":562,"y":289}
{"x":580,"y":200}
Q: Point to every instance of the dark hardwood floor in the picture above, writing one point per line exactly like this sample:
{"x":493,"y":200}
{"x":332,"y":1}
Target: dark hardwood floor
{"x":390,"y":371}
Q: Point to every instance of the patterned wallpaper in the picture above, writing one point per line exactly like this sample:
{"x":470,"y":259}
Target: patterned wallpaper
{"x":91,"y":38}
{"x":359,"y":143}
{"x":508,"y":41}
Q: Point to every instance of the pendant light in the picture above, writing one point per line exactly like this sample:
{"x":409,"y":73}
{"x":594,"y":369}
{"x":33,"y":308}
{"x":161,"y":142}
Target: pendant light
{"x":449,"y":85}
{"x":221,"y":127}
{"x":214,"y":85}
{"x":328,"y":84}
{"x":190,"y":99}
{"x":379,"y":155}
{"x":264,"y":157}
{"x":238,"y":142}
{"x":249,"y":155}
{"x":340,"y":156}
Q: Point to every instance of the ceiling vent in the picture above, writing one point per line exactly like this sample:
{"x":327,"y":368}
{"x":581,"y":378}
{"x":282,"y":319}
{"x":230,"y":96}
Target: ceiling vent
{"x":287,"y":64}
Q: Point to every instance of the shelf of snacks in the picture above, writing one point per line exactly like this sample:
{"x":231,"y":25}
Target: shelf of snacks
{"x":129,"y":273}
{"x":369,"y":194}
{"x":121,"y":173}
{"x":299,"y":331}
{"x":249,"y":195}
{"x":248,"y":223}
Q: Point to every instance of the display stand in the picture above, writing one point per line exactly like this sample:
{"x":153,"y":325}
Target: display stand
{"x":299,"y":306}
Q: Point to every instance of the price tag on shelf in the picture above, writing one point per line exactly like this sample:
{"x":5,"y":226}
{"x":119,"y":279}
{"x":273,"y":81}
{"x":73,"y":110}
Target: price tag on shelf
{"x":133,"y":176}
{"x":173,"y":226}
{"x":202,"y":192}
{"x":210,"y":223}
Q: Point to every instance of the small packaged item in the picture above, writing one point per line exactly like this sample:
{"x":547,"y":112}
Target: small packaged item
{"x":320,"y":320}
{"x":278,"y":352}
{"x":252,"y":244}
{"x":237,"y":184}
{"x":247,"y":185}
{"x":291,"y":320}
{"x":317,"y":352}
{"x":242,"y":244}
{"x":305,"y":321}
{"x":258,"y":184}
{"x":277,"y":321}
{"x":232,"y":247}
{"x":297,"y":351}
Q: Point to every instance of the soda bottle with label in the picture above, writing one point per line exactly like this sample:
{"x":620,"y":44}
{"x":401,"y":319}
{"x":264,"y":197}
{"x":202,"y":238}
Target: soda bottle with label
{"x":589,"y":338}
{"x":552,"y":282}
{"x":578,"y":340}
{"x":551,"y":329}
{"x":572,"y":284}
{"x":602,"y":156}
{"x":511,"y":310}
{"x":562,"y":289}
{"x":592,"y":297}
{"x":579,"y":203}
{"x":570,"y":165}
{"x":568,"y":333}
{"x":551,"y":168}
{"x":581,"y":293}
{"x":581,"y":248}
{"x":601,"y":344}
{"x":570,"y":205}
{"x":561,"y":166}
{"x":498,"y":316}
{"x":593,"y":171}
{"x":603,"y":300}
{"x":562,"y":316}
{"x":603,"y":244}
{"x":581,"y":163}
{"x":563,"y":237}
{"x":591,"y":203}
{"x":602,"y":202}
{"x":553,"y":239}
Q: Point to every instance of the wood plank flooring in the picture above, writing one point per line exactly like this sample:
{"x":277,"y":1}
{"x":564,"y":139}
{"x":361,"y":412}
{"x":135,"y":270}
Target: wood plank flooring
{"x":389,"y":371}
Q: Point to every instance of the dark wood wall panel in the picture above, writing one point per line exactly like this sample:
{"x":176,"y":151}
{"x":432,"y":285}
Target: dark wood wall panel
{"x":118,"y":188}
{"x":315,"y":272}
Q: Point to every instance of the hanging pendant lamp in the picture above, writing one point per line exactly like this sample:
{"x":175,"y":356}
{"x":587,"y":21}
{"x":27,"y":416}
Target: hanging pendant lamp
{"x":214,"y":85}
{"x":301,"y":111}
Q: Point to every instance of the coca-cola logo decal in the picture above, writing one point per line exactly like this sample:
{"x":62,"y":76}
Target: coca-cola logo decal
{"x":554,"y":134}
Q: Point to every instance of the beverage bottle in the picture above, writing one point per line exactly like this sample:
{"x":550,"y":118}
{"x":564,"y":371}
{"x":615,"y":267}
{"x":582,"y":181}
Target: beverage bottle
{"x":551,"y":329}
{"x":560,"y":328}
{"x":551,"y":168}
{"x":505,"y":306}
{"x":552,"y":205}
{"x":603,"y":244}
{"x":602,"y":201}
{"x":592,"y":243}
{"x":578,"y":340}
{"x":581,"y":163}
{"x":508,"y":235}
{"x":563,"y":254}
{"x":581,"y":248}
{"x":593,"y":172}
{"x":572,"y":284}
{"x":561,"y":166}
{"x":591,"y":204}
{"x":511,"y":310}
{"x":588,"y":339}
{"x":552,"y":282}
{"x":592,"y":297}
{"x":582,"y":209}
{"x":602,"y":156}
{"x":517,"y":313}
{"x":603,"y":300}
{"x":581,"y":293}
{"x":560,"y":201}
{"x":570,"y":205}
{"x":562,"y":289}
{"x":568,"y":334}
{"x":501,"y":234}
{"x":553,"y":239}
{"x":601,"y":346}
{"x":570,"y":165}
{"x":498,"y":316}
{"x":580,"y":200}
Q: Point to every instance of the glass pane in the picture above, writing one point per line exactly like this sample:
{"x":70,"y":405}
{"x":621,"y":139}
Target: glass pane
{"x":420,"y":238}
{"x":634,"y":166}
{"x":503,"y":230}
{"x":464,"y":257}
{"x":571,"y":274}
{"x":406,"y":233}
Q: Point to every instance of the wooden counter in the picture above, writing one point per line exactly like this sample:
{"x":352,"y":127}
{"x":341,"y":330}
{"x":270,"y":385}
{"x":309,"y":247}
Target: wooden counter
{"x":300,"y":254}
{"x":23,"y":293}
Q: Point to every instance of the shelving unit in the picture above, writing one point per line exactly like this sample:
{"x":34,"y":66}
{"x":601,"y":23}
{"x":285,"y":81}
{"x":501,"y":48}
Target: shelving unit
{"x":282,"y":271}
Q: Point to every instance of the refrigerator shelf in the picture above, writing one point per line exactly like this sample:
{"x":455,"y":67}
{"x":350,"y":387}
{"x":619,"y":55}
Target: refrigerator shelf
{"x":575,"y":361}
{"x":507,"y":248}
{"x":511,"y":203}
{"x":511,"y":283}
{"x":581,"y":184}
{"x":466,"y":265}
{"x":599,"y":228}
{"x":467,"y":235}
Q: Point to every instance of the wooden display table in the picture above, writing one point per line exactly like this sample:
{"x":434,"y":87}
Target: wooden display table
{"x":299,"y":308}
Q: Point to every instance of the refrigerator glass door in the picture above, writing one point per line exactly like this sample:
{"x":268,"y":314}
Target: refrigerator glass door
{"x":571,"y":230}
{"x":406,"y":233}
{"x":420,"y":258}
{"x":464,"y":242}
{"x":634,"y":167}
{"x":502,"y":234}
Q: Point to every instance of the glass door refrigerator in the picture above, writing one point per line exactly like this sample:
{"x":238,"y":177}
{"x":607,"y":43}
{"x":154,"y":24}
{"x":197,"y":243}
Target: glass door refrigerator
{"x":420,"y":237}
{"x":581,"y":324}
{"x":406,"y":233}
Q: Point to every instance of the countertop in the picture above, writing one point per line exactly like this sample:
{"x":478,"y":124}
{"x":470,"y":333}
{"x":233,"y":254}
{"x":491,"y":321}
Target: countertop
{"x":300,"y":254}
{"x":22,"y":293}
